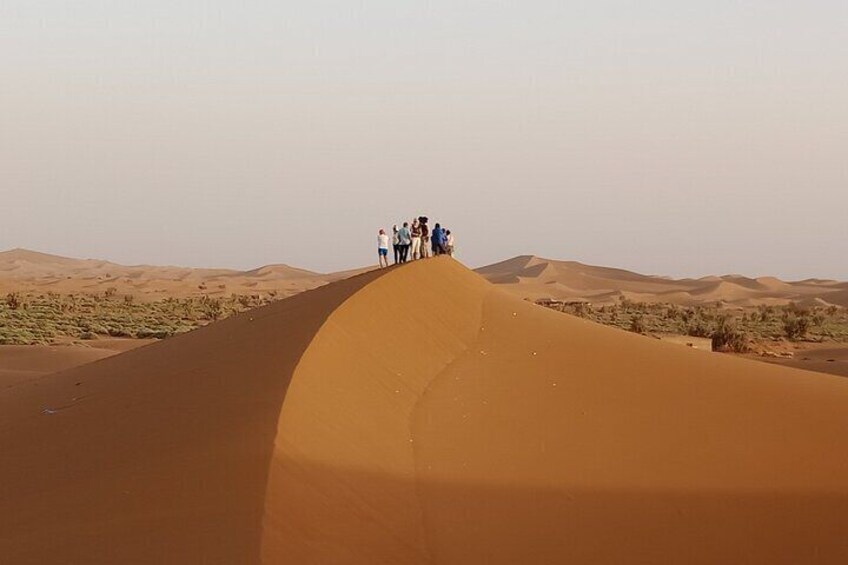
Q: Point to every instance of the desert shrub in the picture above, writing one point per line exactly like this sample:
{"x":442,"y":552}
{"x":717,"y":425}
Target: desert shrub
{"x":673,"y":312}
{"x":14,"y":300}
{"x":145,"y":333}
{"x":637,"y":324}
{"x":797,"y":309}
{"x":581,"y":309}
{"x":698,"y":328}
{"x":766,"y":313}
{"x":795,"y":326}
{"x":117,"y":331}
{"x":727,"y":337}
{"x":212,"y":308}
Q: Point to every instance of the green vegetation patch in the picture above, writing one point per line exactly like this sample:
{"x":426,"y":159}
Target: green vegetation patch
{"x":731,"y":329}
{"x":47,"y":318}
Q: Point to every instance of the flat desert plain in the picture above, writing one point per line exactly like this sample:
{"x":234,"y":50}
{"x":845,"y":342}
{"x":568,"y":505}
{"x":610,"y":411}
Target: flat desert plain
{"x":494,"y":431}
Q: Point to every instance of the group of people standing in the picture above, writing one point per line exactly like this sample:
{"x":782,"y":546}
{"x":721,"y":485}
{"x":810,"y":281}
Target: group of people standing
{"x":414,"y":241}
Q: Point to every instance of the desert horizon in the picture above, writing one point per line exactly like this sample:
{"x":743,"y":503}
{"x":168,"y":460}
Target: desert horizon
{"x":714,"y":311}
{"x":21,"y":265}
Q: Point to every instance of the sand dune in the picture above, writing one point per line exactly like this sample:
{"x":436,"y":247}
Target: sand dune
{"x":22,"y":362}
{"x":363,"y":422}
{"x":537,"y":278}
{"x":30,"y":271}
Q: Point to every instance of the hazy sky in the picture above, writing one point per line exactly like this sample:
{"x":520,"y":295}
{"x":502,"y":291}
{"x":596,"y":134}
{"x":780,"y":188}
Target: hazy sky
{"x":664,"y":136}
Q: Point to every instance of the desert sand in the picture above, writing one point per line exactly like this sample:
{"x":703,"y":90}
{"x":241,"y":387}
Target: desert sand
{"x":22,"y":362}
{"x":536,"y":278}
{"x":27,"y":271}
{"x":823,"y":357}
{"x":422,"y":415}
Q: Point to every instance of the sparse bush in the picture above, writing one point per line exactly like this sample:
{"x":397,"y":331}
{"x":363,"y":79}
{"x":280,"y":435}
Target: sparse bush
{"x":728,"y":337}
{"x":795,"y":327}
{"x":212,"y":308}
{"x":581,"y":309}
{"x":698,"y":328}
{"x":116,"y":331}
{"x":766,"y":313}
{"x":145,"y":333}
{"x":637,"y":324}
{"x":14,"y":300}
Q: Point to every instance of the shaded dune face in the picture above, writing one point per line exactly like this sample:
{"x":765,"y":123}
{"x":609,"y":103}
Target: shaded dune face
{"x":21,"y":362}
{"x":420,"y":415}
{"x":159,"y":455}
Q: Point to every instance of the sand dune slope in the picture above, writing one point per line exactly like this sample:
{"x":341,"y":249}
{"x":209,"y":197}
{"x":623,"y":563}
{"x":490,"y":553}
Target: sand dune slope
{"x":23,"y":362}
{"x":420,"y":415}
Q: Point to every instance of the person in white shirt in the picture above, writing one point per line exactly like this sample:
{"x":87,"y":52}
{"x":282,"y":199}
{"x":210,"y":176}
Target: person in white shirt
{"x":450,"y":243}
{"x":383,"y":248}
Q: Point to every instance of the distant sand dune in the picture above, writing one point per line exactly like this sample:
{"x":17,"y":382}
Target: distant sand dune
{"x":421,"y":415}
{"x":29,"y":271}
{"x":535,"y":278}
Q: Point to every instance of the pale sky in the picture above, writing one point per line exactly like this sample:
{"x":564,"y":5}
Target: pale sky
{"x":664,"y":136}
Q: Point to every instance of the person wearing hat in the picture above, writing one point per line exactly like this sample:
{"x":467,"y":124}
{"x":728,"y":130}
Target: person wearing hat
{"x":416,"y":239}
{"x":425,"y":237}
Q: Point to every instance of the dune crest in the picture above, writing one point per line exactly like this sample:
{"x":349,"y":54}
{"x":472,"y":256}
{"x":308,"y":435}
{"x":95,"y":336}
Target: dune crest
{"x":421,"y":415}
